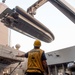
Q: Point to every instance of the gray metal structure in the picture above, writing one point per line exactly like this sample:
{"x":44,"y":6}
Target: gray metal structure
{"x":65,"y":8}
{"x":19,"y":20}
{"x":59,"y":59}
{"x":61,"y":56}
{"x":61,"y":5}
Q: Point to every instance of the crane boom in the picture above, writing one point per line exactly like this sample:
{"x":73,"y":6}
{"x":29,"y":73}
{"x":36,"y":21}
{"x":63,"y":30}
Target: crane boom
{"x":61,"y":5}
{"x":31,"y":10}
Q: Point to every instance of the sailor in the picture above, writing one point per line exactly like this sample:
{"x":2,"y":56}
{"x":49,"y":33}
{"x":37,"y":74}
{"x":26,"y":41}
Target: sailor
{"x":37,"y":64}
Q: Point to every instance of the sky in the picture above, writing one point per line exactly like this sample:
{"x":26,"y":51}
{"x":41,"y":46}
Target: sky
{"x":62,"y":28}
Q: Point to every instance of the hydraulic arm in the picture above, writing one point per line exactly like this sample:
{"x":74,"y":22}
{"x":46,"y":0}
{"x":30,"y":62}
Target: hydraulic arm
{"x":61,"y":5}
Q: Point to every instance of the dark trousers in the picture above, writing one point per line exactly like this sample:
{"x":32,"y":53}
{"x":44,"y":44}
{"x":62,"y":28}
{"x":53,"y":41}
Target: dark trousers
{"x":34,"y":73}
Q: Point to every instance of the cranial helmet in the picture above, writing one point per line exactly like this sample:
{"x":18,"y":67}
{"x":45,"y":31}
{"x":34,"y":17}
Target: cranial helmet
{"x":37,"y":43}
